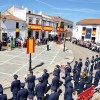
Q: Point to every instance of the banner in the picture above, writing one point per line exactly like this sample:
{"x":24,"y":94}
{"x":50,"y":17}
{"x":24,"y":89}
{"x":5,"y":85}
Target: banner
{"x":84,"y":31}
{"x":94,"y":32}
{"x":30,"y":46}
{"x":88,"y":33}
{"x":87,"y":94}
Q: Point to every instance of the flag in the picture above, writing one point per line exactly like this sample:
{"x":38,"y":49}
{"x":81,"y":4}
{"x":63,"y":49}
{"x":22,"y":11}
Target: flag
{"x":94,"y":32}
{"x":84,"y":31}
{"x":30,"y":45}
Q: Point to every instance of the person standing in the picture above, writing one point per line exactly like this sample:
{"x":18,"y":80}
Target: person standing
{"x":0,"y":45}
{"x":45,"y":77}
{"x":2,"y":96}
{"x":31,"y":83}
{"x":47,"y":45}
{"x":80,"y":64}
{"x":58,"y":70}
{"x":22,"y":93}
{"x":39,"y":89}
{"x":54,"y":95}
{"x":15,"y":87}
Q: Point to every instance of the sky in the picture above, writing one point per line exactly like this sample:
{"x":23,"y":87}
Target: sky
{"x":74,"y":10}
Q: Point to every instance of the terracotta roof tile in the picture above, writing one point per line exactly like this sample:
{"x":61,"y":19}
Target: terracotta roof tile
{"x":11,"y":17}
{"x":88,"y":21}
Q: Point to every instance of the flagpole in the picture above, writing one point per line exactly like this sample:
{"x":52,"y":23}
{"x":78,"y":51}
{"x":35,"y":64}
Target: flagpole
{"x":30,"y":63}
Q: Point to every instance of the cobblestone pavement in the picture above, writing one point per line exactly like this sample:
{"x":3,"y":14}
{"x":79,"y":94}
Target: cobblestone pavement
{"x":79,"y":52}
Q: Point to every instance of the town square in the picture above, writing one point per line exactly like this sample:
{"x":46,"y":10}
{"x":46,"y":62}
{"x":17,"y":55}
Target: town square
{"x":49,"y":50}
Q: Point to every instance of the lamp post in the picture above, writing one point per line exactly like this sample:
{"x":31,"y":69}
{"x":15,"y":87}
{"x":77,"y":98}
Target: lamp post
{"x":65,"y":35}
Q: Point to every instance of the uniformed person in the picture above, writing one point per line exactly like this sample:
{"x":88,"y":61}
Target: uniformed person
{"x":92,"y":64}
{"x":31,"y":83}
{"x":40,"y":89}
{"x":15,"y":87}
{"x":87,"y":62}
{"x":96,"y":62}
{"x":58,"y":70}
{"x":45,"y":77}
{"x":80,"y":64}
{"x":75,"y":67}
{"x":55,"y":80}
{"x":76,"y":76}
{"x":68,"y":92}
{"x":67,"y":79}
{"x":97,"y":77}
{"x":81,"y":85}
{"x":2,"y":96}
{"x":22,"y":93}
{"x":54,"y":95}
{"x":89,"y":80}
{"x":0,"y":45}
{"x":47,"y":45}
{"x":30,"y":97}
{"x":67,"y":69}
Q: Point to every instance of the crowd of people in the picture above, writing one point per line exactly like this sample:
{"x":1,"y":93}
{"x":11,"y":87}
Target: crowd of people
{"x":75,"y":80}
{"x":88,"y":44}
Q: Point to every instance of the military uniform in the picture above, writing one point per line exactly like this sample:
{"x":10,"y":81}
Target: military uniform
{"x":39,"y":89}
{"x":89,"y":81}
{"x":81,"y":85}
{"x":97,"y":78}
{"x":58,"y":70}
{"x":22,"y":93}
{"x":76,"y":79}
{"x":2,"y":96}
{"x":67,"y":69}
{"x":80,"y":64}
{"x":96,"y":62}
{"x":45,"y":77}
{"x":15,"y":87}
{"x":87,"y":62}
{"x":75,"y":67}
{"x":92,"y":64}
{"x":31,"y":83}
{"x":54,"y":95}
{"x":68,"y":92}
{"x":55,"y":80}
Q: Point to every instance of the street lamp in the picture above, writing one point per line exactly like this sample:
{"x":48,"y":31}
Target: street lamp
{"x":65,"y":35}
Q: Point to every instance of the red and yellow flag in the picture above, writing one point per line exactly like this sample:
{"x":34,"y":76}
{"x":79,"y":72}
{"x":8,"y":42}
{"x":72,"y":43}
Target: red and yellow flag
{"x":94,"y":32}
{"x":30,"y":46}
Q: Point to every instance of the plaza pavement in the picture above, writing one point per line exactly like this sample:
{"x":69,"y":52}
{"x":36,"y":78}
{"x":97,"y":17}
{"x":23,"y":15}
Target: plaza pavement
{"x":17,"y":61}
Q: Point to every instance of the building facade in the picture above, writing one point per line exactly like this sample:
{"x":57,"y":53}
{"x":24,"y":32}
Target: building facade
{"x":11,"y":26}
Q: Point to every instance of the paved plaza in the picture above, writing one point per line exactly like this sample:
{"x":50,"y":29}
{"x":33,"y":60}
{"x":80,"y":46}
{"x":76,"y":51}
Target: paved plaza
{"x":17,"y":61}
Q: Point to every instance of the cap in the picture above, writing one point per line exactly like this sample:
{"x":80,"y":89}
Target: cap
{"x":96,"y":55}
{"x":92,"y":56}
{"x":76,"y":62}
{"x":53,"y":88}
{"x":15,"y":76}
{"x":80,"y":59}
{"x":40,"y":79}
{"x":30,"y":96}
{"x":22,"y":85}
{"x":87,"y":58}
{"x":57,"y":66}
{"x":31,"y":72}
{"x":45,"y":70}
{"x":68,"y":63}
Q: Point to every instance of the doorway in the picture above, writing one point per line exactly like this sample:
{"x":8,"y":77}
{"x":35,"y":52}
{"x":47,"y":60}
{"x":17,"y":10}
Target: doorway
{"x":37,"y":35}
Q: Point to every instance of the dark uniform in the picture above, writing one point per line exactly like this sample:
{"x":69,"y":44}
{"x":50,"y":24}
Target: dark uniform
{"x":97,"y":77}
{"x":67,"y":69}
{"x":2,"y":96}
{"x":58,"y":70}
{"x":67,"y":80}
{"x":75,"y":67}
{"x":55,"y":81}
{"x":81,"y":85}
{"x":22,"y":93}
{"x":76,"y":79}
{"x":80,"y":64}
{"x":54,"y":95}
{"x":39,"y":89}
{"x":0,"y":45}
{"x":31,"y":83}
{"x":89,"y":81}
{"x":68,"y":92}
{"x":96,"y":62}
{"x":15,"y":87}
{"x":87,"y":62}
{"x":92,"y":64}
{"x":45,"y":77}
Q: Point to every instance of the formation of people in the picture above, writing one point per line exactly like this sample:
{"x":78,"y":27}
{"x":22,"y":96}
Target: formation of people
{"x":77,"y":79}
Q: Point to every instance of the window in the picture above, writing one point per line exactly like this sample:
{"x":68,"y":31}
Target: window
{"x":37,"y":20}
{"x":44,"y":22}
{"x":71,"y":26}
{"x":17,"y":25}
{"x":30,"y":20}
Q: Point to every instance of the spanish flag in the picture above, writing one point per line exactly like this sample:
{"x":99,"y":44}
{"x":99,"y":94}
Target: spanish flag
{"x":94,"y":32}
{"x":30,"y":46}
{"x":84,"y":31}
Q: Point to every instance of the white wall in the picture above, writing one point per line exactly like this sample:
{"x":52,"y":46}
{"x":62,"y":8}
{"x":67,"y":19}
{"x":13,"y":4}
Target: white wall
{"x":9,"y":27}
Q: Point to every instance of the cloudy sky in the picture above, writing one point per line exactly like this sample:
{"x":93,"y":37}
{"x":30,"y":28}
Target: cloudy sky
{"x":74,"y":10}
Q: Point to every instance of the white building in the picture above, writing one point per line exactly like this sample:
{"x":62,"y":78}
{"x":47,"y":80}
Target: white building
{"x":88,"y":29}
{"x":11,"y":26}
